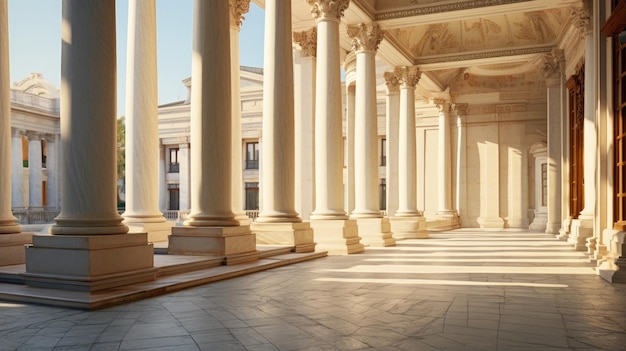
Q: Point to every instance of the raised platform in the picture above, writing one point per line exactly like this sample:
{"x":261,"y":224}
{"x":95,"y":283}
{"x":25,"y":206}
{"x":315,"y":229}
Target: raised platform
{"x":173,"y":273}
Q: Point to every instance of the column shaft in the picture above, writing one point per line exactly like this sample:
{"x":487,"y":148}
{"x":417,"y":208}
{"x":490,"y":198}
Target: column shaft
{"x":51,"y":168}
{"x":444,"y":166}
{"x":88,"y":123}
{"x":35,"y":176}
{"x":17,"y":170}
{"x":556,"y":88}
{"x":328,"y":121}
{"x":407,"y":158}
{"x":590,"y":142}
{"x":277,"y":154}
{"x":393,"y":128}
{"x":237,"y":9}
{"x":142,"y":140}
{"x":211,"y":117}
{"x":8,"y":223}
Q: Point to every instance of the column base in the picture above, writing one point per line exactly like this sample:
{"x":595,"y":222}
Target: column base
{"x":580,"y":230}
{"x":491,"y":222}
{"x":375,"y":231}
{"x":612,"y":267}
{"x":445,"y":220}
{"x":540,"y":222}
{"x":12,"y":249}
{"x":298,"y":235}
{"x":237,"y":244}
{"x":565,"y":229}
{"x":553,"y":228}
{"x":159,"y":231}
{"x":89,"y":262}
{"x":408,"y":227}
{"x":338,"y":237}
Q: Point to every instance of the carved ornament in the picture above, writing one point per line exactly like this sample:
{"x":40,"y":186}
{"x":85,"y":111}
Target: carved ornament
{"x":392,"y":82}
{"x":461,"y":109}
{"x":581,"y":18}
{"x":487,"y":54}
{"x":306,"y":41}
{"x":443,"y":105}
{"x":453,"y":6}
{"x":365,"y":37}
{"x":328,"y":9}
{"x":237,"y":9}
{"x":408,"y":77}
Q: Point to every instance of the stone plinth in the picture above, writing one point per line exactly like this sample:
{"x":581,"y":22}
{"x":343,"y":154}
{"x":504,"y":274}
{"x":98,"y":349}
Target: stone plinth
{"x":376,"y":231}
{"x":580,"y":230}
{"x":491,"y":222}
{"x":89,"y":262}
{"x":565,"y":230}
{"x":338,"y":237}
{"x":237,"y":244}
{"x":612,"y":267}
{"x":540,"y":221}
{"x":12,"y":248}
{"x":408,"y":227}
{"x":298,"y":235}
{"x":159,"y":231}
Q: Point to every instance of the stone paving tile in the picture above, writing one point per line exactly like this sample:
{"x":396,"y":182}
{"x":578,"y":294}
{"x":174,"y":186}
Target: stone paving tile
{"x":349,"y":303}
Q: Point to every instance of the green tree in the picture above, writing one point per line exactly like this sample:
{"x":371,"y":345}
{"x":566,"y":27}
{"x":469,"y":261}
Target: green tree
{"x":121,"y":159}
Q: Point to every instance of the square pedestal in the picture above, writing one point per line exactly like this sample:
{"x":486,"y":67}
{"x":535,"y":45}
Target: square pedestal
{"x":12,"y":249}
{"x":408,"y":227}
{"x":375,"y":231}
{"x":580,"y":230}
{"x":490,"y":222}
{"x":237,"y":244}
{"x":89,"y":263}
{"x":337,"y":236}
{"x":298,"y":235}
{"x":156,"y":231}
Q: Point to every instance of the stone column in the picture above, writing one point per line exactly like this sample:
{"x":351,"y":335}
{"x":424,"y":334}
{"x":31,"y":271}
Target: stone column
{"x":328,"y":121}
{"x":554,"y":71}
{"x":237,"y":9}
{"x":392,"y":127}
{"x":445,"y":212}
{"x":142,"y":137}
{"x":304,"y":114}
{"x":211,"y":227}
{"x":539,"y":152}
{"x":582,"y":228}
{"x":407,"y":222}
{"x":11,"y":241}
{"x":349,"y":67}
{"x":17,"y":169}
{"x":336,"y":234}
{"x":184,"y":181}
{"x":35,"y":175}
{"x":88,"y":233}
{"x":52,"y":188}
{"x":278,"y":222}
{"x":163,"y":192}
{"x":374,"y":229}
{"x":461,"y":158}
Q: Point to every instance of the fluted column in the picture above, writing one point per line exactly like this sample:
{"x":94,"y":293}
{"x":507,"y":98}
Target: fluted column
{"x":554,"y":71}
{"x":51,"y":170}
{"x":211,"y":116}
{"x":237,"y":9}
{"x":35,"y":176}
{"x":461,"y":157}
{"x":407,"y":161}
{"x":393,"y":128}
{"x":328,"y":121}
{"x":88,"y":121}
{"x":365,"y":40}
{"x":304,"y":115}
{"x":8,"y":223}
{"x":142,"y":140}
{"x":444,"y":166}
{"x":17,"y":169}
{"x":277,"y":154}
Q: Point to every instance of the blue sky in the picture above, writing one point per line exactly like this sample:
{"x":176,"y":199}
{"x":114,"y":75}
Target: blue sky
{"x":35,"y":43}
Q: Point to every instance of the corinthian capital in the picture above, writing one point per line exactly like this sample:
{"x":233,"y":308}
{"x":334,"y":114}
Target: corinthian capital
{"x":408,"y":77}
{"x":365,"y":37}
{"x":392,"y":82}
{"x":306,"y":41}
{"x":328,"y":9}
{"x":581,"y":18}
{"x":237,"y":9}
{"x":443,"y":105}
{"x":553,"y":64}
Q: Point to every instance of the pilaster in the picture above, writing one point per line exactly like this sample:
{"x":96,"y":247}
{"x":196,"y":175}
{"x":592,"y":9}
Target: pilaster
{"x":461,"y":158}
{"x":52,"y":187}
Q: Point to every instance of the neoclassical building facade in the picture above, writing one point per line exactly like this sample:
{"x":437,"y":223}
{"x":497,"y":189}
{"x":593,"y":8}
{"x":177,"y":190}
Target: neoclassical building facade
{"x":488,"y":114}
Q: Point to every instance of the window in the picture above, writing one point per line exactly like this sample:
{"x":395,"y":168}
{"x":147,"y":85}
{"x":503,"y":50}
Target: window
{"x":383,"y":152}
{"x":619,"y":129}
{"x":174,"y":164}
{"x":44,"y":154}
{"x":252,"y":155}
{"x":576,"y":95}
{"x":174,"y":192}
{"x":252,"y":196}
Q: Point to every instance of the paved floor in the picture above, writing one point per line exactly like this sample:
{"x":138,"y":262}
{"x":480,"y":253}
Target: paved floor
{"x":460,"y":290}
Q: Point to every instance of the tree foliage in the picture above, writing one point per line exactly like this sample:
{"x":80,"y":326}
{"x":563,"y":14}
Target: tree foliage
{"x":121,"y":148}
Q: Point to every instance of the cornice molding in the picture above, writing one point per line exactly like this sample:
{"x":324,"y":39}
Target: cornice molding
{"x":467,"y":5}
{"x":485,"y":55}
{"x":328,"y":9}
{"x":365,"y":37}
{"x":306,"y":42}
